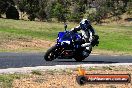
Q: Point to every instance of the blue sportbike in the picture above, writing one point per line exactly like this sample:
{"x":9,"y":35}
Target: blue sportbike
{"x":68,"y":46}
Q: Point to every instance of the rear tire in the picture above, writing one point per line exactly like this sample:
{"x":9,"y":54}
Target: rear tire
{"x":79,"y":58}
{"x":50,"y":54}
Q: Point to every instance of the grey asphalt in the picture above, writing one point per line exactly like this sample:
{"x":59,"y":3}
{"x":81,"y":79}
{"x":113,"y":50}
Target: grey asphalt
{"x":17,"y":60}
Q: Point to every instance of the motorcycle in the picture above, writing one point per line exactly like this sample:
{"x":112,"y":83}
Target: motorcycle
{"x":68,"y":46}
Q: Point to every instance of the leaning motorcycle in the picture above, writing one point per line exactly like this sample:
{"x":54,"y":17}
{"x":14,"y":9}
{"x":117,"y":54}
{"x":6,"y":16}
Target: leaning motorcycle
{"x":68,"y":46}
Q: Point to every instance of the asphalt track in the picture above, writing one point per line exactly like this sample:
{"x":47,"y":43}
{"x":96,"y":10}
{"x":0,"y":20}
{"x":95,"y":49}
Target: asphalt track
{"x":19,"y":60}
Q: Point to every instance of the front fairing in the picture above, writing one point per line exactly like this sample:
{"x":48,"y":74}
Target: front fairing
{"x":67,"y":45}
{"x":68,"y":39}
{"x":64,"y":38}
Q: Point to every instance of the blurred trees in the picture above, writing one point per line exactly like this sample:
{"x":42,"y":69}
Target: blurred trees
{"x":8,"y":7}
{"x":4,"y":4}
{"x":58,"y":10}
{"x":102,"y":9}
{"x":31,"y":7}
{"x":12,"y":13}
{"x":71,"y":10}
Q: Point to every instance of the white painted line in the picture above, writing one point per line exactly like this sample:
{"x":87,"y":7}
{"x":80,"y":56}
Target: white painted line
{"x":94,"y":54}
{"x":30,"y":69}
{"x":115,"y":55}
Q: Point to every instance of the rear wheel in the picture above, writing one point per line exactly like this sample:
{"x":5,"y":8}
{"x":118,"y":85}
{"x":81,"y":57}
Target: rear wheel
{"x":79,"y":58}
{"x":50,"y":54}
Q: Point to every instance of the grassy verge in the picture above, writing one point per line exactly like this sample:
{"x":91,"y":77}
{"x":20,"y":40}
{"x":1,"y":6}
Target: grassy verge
{"x":113,"y":38}
{"x":67,"y":78}
{"x":59,"y":78}
{"x":6,"y":80}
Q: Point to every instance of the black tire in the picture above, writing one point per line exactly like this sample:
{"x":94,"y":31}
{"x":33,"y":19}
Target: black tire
{"x":81,"y":80}
{"x":50,"y":54}
{"x":79,"y":58}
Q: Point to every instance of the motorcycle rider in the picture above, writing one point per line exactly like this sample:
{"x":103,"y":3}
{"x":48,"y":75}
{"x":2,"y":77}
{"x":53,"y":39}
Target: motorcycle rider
{"x":87,"y":32}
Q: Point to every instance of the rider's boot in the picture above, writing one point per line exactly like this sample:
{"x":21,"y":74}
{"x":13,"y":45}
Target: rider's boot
{"x":88,"y":47}
{"x":87,"y":51}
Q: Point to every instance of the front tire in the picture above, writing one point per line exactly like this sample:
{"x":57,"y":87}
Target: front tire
{"x":50,"y":54}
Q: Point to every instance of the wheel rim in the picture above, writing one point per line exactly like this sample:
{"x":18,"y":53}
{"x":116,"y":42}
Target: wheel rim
{"x":51,"y":56}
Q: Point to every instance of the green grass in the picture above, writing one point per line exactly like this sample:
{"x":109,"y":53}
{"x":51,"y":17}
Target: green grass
{"x":13,"y":28}
{"x":7,"y":79}
{"x":36,"y":72}
{"x":116,"y":38}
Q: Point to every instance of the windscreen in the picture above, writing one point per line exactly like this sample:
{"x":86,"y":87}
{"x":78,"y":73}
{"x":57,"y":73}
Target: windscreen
{"x":67,"y":36}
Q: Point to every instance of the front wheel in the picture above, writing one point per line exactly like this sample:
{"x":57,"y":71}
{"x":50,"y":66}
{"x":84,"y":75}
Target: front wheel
{"x":50,"y":54}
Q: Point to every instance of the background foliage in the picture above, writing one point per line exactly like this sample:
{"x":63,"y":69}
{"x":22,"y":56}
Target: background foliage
{"x":71,"y":10}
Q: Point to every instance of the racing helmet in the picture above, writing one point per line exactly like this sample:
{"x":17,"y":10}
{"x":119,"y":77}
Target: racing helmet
{"x":84,"y":24}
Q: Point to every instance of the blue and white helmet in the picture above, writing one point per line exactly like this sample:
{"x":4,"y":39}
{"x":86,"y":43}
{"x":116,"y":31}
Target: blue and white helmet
{"x":84,"y":24}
